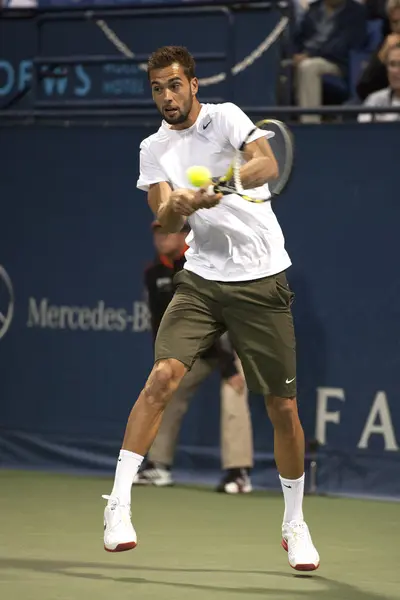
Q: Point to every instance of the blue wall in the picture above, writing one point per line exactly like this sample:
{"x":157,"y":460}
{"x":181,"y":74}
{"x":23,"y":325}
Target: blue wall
{"x":74,"y":240}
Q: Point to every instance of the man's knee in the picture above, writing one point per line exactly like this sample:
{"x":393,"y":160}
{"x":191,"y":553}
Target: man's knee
{"x":164,"y":381}
{"x":308,"y":65}
{"x":317,"y":67}
{"x":283,"y":413}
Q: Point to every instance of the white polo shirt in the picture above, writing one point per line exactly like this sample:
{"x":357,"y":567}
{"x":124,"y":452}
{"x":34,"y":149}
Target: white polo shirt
{"x":382,"y":98}
{"x":235,"y":240}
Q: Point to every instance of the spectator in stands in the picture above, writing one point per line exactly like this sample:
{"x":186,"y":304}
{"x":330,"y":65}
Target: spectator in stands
{"x":375,"y":76}
{"x":328,"y":32}
{"x":389,"y":96}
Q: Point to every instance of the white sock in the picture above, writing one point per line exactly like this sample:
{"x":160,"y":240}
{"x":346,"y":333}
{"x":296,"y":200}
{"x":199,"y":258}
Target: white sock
{"x":293,"y":492}
{"x":127,"y":466}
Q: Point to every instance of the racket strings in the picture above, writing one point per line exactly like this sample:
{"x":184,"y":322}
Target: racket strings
{"x":237,"y":163}
{"x":282,"y":147}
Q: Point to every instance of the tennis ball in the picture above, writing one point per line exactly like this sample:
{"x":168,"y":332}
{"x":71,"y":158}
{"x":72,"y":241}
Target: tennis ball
{"x":198,"y":176}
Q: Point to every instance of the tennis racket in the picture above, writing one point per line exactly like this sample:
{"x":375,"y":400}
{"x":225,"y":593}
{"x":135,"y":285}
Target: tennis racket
{"x":281,"y":142}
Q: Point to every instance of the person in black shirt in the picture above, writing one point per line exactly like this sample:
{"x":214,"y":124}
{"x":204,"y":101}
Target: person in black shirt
{"x":236,"y":432}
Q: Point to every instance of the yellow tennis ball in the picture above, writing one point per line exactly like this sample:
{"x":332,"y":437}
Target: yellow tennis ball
{"x":198,"y":176}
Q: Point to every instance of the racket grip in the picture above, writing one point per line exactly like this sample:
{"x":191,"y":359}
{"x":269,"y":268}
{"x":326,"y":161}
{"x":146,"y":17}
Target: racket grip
{"x":211,"y":190}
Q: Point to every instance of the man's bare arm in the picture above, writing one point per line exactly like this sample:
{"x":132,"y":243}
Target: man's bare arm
{"x":261,"y":165}
{"x":159,"y":199}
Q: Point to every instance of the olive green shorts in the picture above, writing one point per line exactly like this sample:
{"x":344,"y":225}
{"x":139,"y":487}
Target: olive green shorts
{"x":257,"y":316}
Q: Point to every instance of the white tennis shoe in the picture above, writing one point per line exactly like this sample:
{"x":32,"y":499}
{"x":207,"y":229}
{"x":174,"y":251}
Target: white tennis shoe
{"x":119,"y":534}
{"x":297,"y":542}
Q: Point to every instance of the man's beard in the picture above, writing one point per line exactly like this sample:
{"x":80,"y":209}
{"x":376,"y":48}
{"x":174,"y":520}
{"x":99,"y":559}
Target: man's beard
{"x":180,"y":117}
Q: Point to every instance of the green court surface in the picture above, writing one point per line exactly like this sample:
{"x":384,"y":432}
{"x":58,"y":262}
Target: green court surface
{"x":193,"y":543}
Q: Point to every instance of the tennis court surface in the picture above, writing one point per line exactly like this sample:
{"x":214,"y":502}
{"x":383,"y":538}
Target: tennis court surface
{"x":193,"y":543}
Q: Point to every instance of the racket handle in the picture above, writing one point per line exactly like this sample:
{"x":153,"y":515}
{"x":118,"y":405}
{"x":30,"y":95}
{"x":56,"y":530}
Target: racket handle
{"x":211,"y":190}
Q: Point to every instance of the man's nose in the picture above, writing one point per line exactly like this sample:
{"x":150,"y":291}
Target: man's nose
{"x":167,"y":95}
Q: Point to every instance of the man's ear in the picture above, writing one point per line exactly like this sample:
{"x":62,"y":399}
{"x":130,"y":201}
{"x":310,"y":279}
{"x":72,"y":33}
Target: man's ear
{"x":194,"y":85}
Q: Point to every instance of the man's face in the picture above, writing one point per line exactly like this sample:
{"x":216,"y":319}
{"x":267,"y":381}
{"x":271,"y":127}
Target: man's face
{"x":168,"y":243}
{"x":173,"y":93}
{"x":393,"y":68}
{"x":394,"y":18}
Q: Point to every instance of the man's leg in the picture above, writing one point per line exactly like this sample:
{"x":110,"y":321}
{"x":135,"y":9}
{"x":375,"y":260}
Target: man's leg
{"x":260,"y":324}
{"x":187,"y":330}
{"x":163,"y":449}
{"x":309,"y":84}
{"x":144,"y":422}
{"x":145,"y":417}
{"x":288,"y":452}
{"x":236,"y":436}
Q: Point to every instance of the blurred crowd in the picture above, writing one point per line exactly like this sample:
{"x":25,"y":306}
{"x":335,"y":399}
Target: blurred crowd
{"x":346,"y":51}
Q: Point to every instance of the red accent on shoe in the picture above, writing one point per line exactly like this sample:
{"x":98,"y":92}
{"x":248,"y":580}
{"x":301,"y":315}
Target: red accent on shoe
{"x":309,"y":567}
{"x":122,"y":547}
{"x":306,"y":567}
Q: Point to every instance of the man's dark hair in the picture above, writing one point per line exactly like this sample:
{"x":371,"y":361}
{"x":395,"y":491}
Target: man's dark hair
{"x":168,"y":55}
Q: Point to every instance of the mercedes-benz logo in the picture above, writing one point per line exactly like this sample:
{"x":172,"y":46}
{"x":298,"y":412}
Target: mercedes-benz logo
{"x":6,"y":301}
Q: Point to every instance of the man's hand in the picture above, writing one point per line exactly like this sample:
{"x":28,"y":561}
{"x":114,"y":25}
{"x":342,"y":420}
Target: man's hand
{"x":237,"y":382}
{"x":203,"y":200}
{"x":298,"y":58}
{"x":182,"y":202}
{"x":186,"y":202}
{"x":391,"y":40}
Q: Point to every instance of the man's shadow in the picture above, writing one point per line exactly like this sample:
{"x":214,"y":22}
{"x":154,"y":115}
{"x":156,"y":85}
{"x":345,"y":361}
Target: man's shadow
{"x":332,"y":589}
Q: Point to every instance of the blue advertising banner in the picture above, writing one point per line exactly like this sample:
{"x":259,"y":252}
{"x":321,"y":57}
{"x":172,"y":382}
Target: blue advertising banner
{"x":75,"y":347}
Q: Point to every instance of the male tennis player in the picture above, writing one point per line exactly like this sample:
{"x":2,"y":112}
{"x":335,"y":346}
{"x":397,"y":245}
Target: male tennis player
{"x":234,"y":280}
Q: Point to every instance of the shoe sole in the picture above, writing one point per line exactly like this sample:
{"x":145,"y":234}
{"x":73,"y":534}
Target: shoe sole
{"x":301,"y":567}
{"x":122,"y":547}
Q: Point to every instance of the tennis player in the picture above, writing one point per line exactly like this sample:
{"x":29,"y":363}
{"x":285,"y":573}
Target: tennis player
{"x":234,"y":280}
